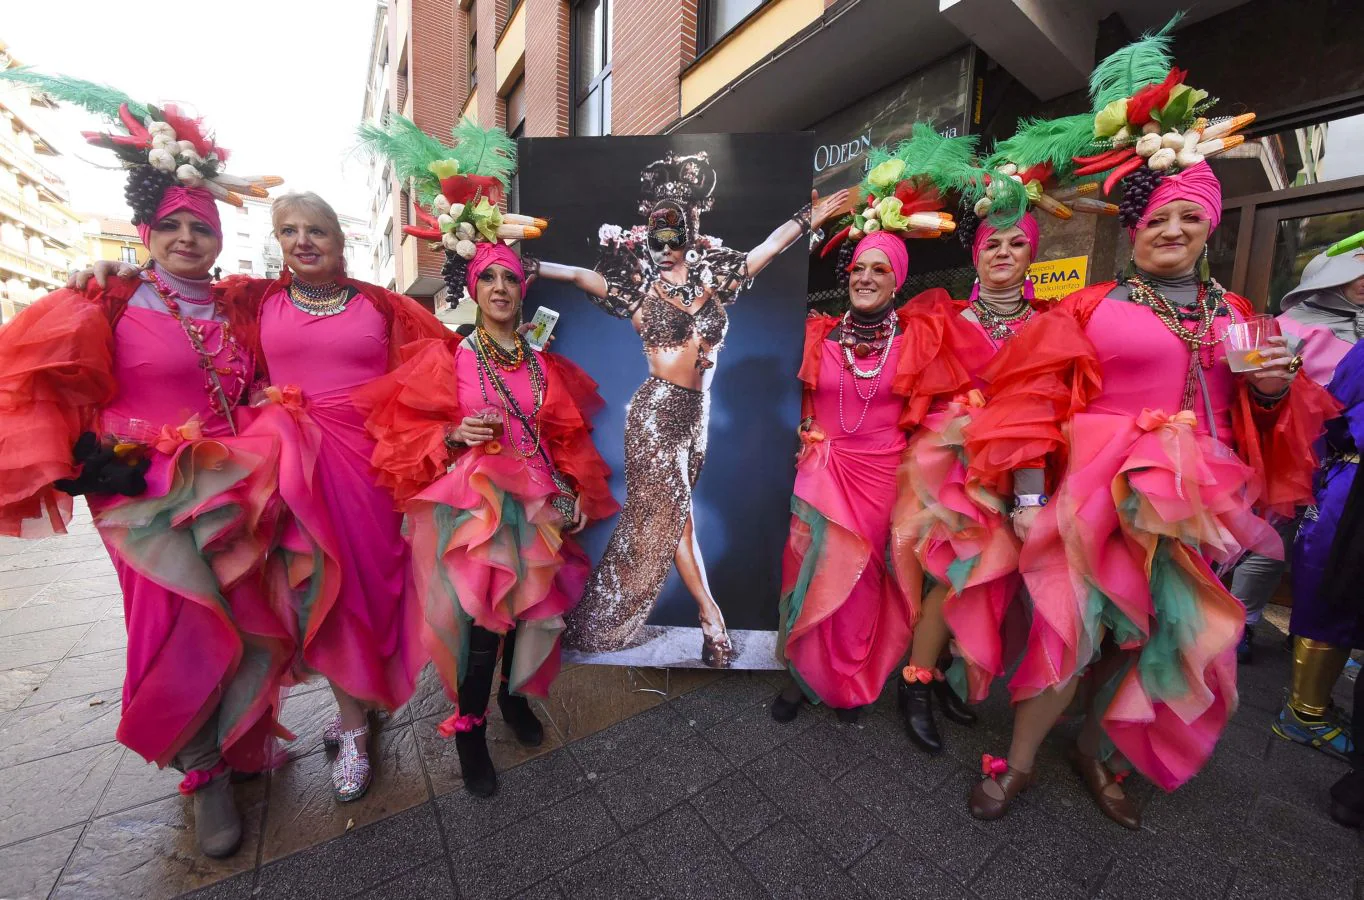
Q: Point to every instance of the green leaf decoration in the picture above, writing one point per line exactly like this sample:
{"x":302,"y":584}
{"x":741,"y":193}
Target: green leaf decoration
{"x":484,"y":151}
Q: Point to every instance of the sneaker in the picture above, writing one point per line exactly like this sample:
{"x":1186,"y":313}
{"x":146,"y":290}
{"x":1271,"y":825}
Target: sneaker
{"x":1245,"y":649}
{"x":1325,"y":735}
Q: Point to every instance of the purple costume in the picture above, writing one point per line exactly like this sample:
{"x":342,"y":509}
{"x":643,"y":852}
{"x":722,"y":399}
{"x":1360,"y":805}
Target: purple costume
{"x":1312,"y":617}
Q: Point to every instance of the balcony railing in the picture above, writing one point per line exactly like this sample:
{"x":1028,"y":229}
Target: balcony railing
{"x":30,"y":165}
{"x":34,"y":267}
{"x":35,"y":217}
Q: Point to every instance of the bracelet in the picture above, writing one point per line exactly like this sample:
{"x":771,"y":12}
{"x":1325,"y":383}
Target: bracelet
{"x":802,"y":218}
{"x":1028,"y":501}
{"x":450,"y":443}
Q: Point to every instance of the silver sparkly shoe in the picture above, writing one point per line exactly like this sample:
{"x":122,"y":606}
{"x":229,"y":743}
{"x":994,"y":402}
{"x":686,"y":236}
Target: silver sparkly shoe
{"x":331,"y":734}
{"x":351,"y":771}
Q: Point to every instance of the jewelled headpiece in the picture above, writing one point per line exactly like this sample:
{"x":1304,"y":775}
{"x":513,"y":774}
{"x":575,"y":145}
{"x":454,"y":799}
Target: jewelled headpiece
{"x":686,"y":180}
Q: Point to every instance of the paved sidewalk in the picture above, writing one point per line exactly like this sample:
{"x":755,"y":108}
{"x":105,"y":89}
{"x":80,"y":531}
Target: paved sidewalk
{"x":648,"y":786}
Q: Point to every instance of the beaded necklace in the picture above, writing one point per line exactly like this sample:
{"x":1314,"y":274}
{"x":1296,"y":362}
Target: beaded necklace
{"x":527,"y":444}
{"x":508,"y":360}
{"x":998,"y":324}
{"x":873,"y":374}
{"x":213,"y":374}
{"x":319,"y":299}
{"x":1199,"y":339}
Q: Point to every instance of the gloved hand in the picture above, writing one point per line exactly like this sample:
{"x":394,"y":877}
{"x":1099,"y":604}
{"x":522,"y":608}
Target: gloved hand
{"x":103,"y":471}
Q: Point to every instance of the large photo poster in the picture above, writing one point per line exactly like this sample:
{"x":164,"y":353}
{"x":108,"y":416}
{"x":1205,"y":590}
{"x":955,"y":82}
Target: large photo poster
{"x":680,"y":280}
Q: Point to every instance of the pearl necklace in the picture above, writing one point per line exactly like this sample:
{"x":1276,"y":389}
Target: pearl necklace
{"x":884,"y":335}
{"x":874,"y":375}
{"x":997,"y":324}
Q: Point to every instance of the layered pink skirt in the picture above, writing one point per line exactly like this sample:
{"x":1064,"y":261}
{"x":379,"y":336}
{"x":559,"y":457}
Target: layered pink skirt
{"x":1122,"y":552}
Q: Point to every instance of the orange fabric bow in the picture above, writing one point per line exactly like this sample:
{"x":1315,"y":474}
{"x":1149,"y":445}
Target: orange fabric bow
{"x":993,"y":766}
{"x":923,"y":676}
{"x":290,"y":397}
{"x":1152,"y":419}
{"x":171,"y":437}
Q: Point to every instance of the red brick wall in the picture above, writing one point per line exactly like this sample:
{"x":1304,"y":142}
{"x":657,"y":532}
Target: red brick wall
{"x":654,"y":40}
{"x":490,"y":16}
{"x":436,"y":69}
{"x":547,"y":106}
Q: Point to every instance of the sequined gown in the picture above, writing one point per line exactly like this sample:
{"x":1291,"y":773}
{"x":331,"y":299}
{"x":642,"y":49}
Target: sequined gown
{"x":665,"y":449}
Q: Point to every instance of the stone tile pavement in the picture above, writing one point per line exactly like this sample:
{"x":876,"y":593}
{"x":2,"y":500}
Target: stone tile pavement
{"x":650,"y":784}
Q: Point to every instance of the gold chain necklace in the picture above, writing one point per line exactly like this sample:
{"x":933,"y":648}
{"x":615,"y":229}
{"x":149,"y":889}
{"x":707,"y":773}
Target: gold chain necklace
{"x":319,"y":300}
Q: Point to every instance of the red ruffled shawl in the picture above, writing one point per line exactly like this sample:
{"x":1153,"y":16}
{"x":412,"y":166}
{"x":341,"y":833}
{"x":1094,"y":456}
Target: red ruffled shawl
{"x":411,"y":408}
{"x":1050,"y":372}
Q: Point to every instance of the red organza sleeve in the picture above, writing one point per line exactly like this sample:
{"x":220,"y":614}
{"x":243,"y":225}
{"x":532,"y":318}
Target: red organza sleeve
{"x":407,"y":413}
{"x":817,"y":328}
{"x":1279,"y":443}
{"x":56,"y":371}
{"x":1041,"y":378}
{"x":929,"y":368}
{"x":571,"y":398}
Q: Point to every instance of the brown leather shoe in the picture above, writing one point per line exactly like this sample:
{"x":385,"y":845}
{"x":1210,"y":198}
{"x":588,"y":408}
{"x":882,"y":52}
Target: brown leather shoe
{"x":1097,"y":778}
{"x":1012,"y":782}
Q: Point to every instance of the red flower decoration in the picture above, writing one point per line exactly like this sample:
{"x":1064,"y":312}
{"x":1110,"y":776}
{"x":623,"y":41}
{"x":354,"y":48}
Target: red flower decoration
{"x":1152,"y":97}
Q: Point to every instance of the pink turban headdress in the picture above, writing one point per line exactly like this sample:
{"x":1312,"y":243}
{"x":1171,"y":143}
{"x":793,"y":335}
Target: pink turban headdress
{"x":1197,"y":184}
{"x":487,"y":253}
{"x":195,"y":201}
{"x":894,"y":248}
{"x":1028,"y":225}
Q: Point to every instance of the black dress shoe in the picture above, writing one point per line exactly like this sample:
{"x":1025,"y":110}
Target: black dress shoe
{"x":1347,"y":799}
{"x":952,"y":706}
{"x":784,"y":710}
{"x":850,"y":715}
{"x":916,"y":708}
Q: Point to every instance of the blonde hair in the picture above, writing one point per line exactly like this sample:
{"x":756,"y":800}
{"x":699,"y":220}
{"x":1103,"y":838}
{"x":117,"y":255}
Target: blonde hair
{"x":308,"y":202}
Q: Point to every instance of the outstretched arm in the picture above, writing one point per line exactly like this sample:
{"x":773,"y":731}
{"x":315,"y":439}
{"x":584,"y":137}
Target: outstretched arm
{"x":586,"y":280}
{"x":787,"y":233}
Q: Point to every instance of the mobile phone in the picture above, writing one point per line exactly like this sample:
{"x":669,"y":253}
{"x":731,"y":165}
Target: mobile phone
{"x":543,"y":326}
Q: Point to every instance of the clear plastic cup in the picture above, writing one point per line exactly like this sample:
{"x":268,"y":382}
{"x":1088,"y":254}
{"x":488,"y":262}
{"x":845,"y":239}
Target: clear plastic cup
{"x":1245,"y":341}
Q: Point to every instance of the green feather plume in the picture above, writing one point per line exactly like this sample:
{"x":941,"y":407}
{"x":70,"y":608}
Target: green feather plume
{"x":478,"y":151}
{"x":1126,"y":71}
{"x":484,"y":151}
{"x":946,"y":161}
{"x":99,"y":99}
{"x":1053,"y":141}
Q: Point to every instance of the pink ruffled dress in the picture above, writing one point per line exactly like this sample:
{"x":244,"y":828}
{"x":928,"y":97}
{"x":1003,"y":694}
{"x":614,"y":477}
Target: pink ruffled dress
{"x":845,"y":619}
{"x":1144,"y":497}
{"x":345,"y":558}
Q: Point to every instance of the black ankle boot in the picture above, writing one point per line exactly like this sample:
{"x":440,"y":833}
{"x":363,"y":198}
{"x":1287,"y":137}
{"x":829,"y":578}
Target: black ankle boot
{"x":475,"y":764}
{"x":516,"y":710}
{"x":952,"y":706}
{"x":916,"y":708}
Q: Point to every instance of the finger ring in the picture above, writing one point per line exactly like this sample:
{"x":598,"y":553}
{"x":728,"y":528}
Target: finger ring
{"x":1294,"y":364}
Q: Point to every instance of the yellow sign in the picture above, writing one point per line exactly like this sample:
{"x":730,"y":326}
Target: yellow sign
{"x":1054,"y":279}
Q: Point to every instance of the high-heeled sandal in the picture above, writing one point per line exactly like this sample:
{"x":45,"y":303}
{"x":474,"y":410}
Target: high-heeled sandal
{"x":1011,"y":781}
{"x":331,"y":734}
{"x":351,"y":772}
{"x":717,"y":652}
{"x":1098,"y":778}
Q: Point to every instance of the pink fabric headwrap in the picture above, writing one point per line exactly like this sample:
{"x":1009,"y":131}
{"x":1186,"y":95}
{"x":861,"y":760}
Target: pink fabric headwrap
{"x":487,"y":254}
{"x":195,"y":201}
{"x":1197,"y":184}
{"x":895,"y":251}
{"x":1028,"y":225}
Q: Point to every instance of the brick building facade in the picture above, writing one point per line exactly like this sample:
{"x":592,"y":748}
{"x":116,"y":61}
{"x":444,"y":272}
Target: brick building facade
{"x":585,"y":67}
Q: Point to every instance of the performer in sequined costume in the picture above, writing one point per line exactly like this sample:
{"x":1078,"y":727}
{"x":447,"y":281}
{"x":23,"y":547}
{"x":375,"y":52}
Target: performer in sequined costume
{"x":673,"y":283}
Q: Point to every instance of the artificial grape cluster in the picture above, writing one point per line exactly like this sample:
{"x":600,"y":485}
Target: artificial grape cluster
{"x":453,"y":274}
{"x":1137,"y":189}
{"x":967,"y":223}
{"x":144,"y":190}
{"x":845,"y":261}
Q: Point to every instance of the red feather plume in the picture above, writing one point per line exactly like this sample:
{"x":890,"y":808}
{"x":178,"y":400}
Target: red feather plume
{"x":918,"y":197}
{"x":188,"y":128}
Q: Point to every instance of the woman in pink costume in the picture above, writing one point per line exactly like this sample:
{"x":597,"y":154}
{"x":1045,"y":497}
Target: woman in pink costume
{"x":491,"y":541}
{"x":1121,"y":404}
{"x":342,"y":556}
{"x":958,"y":530}
{"x":143,"y":376}
{"x":849,"y":594}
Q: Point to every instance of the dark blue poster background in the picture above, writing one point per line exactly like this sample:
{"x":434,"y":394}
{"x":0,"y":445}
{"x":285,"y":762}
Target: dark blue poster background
{"x":742,"y":499}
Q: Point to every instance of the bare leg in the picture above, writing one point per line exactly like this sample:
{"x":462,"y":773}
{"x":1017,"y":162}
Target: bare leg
{"x":353,"y":715}
{"x":692,"y":568}
{"x":930,"y":632}
{"x":1033,"y":720}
